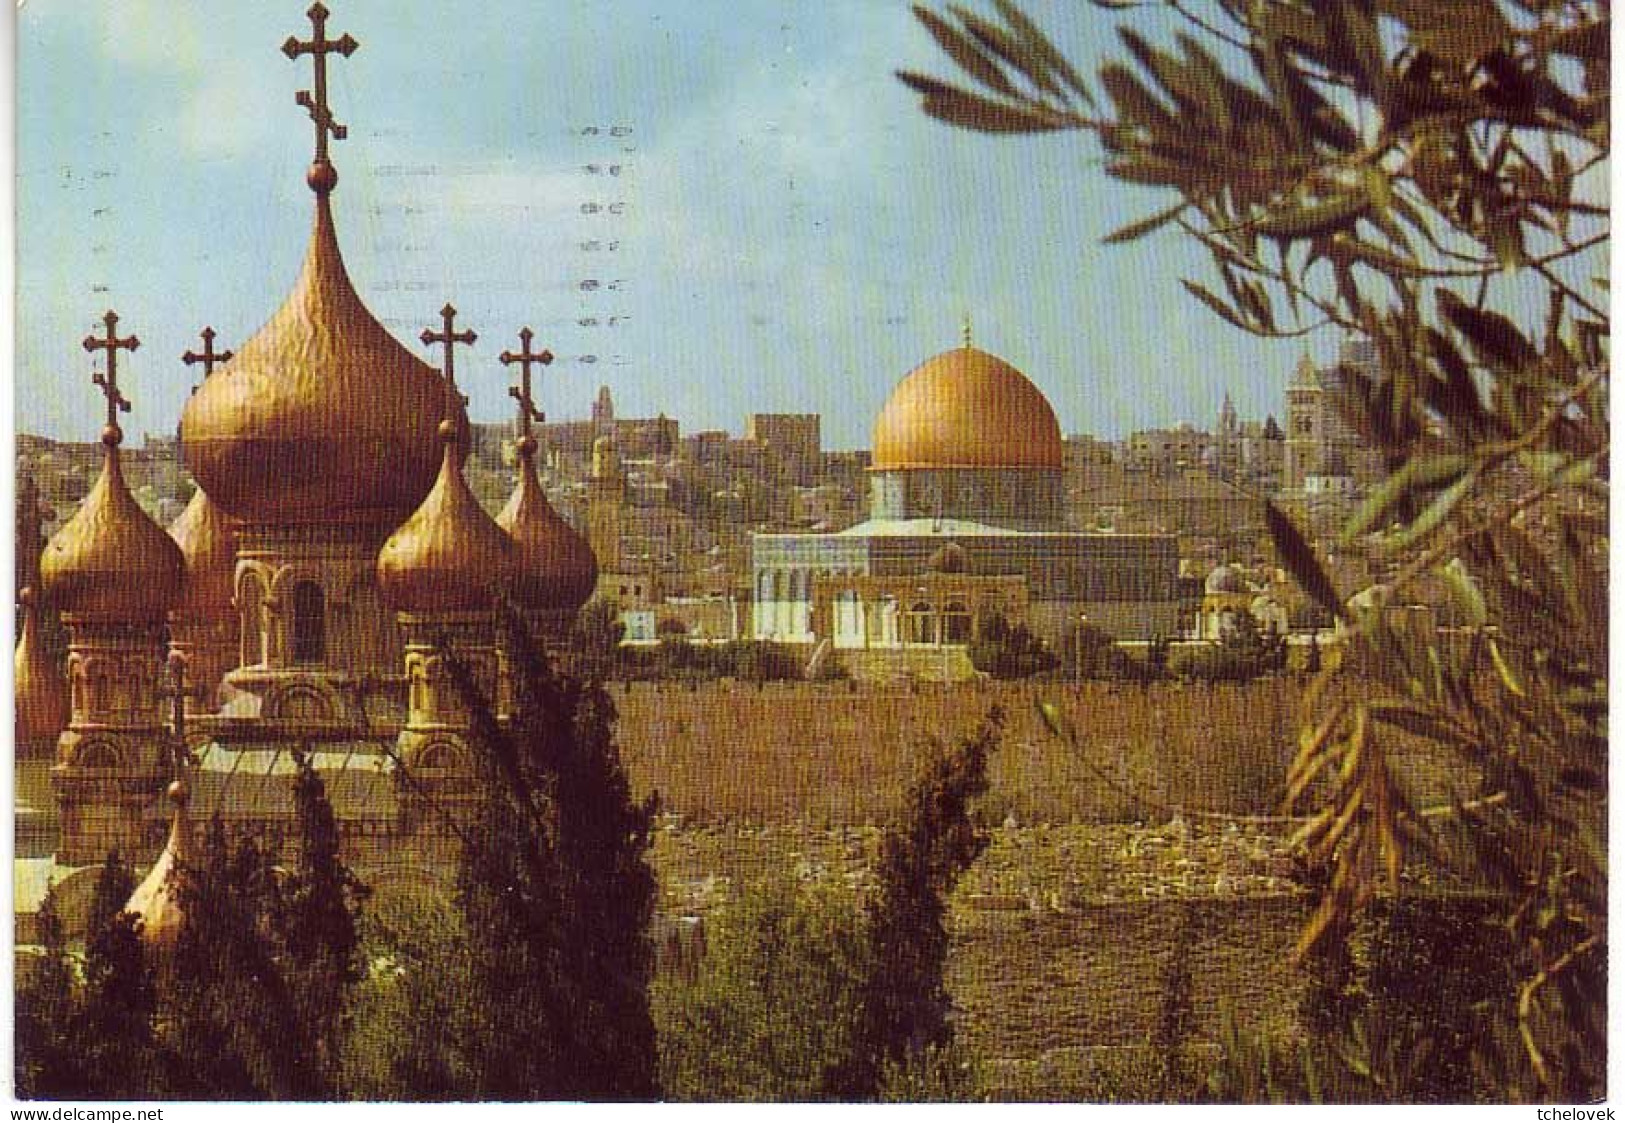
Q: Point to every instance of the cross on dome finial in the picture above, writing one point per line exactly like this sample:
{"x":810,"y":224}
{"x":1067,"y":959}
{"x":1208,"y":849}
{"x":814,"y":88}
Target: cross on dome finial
{"x":450,"y":339}
{"x":964,"y":330}
{"x":208,"y":356}
{"x":319,"y":46}
{"x":112,"y":344}
{"x":521,"y":393}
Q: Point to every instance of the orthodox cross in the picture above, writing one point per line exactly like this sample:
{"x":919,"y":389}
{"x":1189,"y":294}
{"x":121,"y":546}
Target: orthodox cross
{"x":319,"y":47}
{"x":208,"y":357}
{"x":521,"y":393}
{"x":109,"y":381}
{"x":450,"y":338}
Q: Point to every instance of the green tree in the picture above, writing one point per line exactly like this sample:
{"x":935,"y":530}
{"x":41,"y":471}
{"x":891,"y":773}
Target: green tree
{"x":1009,"y":651}
{"x":555,"y":894}
{"x":320,"y":911}
{"x":1426,"y":177}
{"x":905,"y":1012}
{"x":598,"y":633}
{"x":49,"y":1063}
{"x":773,"y":1008}
{"x":257,"y":996}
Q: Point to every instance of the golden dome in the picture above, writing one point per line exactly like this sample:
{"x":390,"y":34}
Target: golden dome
{"x":322,"y":416}
{"x":554,"y":569}
{"x":449,"y":556}
{"x":110,"y":560}
{"x":966,"y":409}
{"x":206,"y":537}
{"x":43,"y":705}
{"x":157,"y":900}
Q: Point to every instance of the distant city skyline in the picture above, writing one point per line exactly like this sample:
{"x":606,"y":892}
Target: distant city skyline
{"x":791,"y":234}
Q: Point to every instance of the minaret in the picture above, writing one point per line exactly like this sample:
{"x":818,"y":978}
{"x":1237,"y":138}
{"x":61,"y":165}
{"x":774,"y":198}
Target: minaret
{"x":606,"y":501}
{"x":603,"y":412}
{"x":318,"y":437}
{"x":114,"y":575}
{"x":442,"y":572}
{"x":555,"y":570}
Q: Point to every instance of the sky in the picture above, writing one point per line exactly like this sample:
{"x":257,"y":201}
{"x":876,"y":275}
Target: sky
{"x":778,"y":227}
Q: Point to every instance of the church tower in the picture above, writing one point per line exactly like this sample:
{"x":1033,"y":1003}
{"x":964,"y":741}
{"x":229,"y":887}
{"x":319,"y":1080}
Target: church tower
{"x":114,"y":575}
{"x":555,"y":569}
{"x":1304,"y":426}
{"x":442,"y":572}
{"x":317,"y":438}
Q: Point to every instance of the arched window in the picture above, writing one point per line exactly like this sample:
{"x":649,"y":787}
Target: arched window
{"x":251,"y":600}
{"x":309,"y":623}
{"x":919,"y":624}
{"x":956,"y":623}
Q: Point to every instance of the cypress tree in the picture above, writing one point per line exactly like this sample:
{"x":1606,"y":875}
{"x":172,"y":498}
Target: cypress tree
{"x":556,"y":895}
{"x":49,"y":1064}
{"x":905,"y":1015}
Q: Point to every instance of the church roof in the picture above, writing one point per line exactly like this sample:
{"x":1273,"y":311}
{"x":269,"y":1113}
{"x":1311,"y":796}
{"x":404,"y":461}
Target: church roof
{"x":110,"y":560}
{"x":253,"y":780}
{"x":321,"y":416}
{"x":206,"y":537}
{"x":554,"y":567}
{"x":450,"y":556}
{"x":41,"y":686}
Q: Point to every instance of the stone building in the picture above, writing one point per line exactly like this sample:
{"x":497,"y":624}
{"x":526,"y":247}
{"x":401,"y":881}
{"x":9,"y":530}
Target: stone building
{"x":966,"y":516}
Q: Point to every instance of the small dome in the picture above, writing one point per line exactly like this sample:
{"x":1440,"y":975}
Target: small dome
{"x":554,"y":568}
{"x":948,"y":558}
{"x":322,"y":416}
{"x":1226,"y":579}
{"x":449,"y":556}
{"x":110,"y":560}
{"x":966,"y":409}
{"x":43,"y":704}
{"x":157,"y":900}
{"x":207,"y":538}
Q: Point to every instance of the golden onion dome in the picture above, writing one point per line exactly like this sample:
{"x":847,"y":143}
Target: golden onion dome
{"x":449,"y":556}
{"x":966,"y":409}
{"x":207,"y":538}
{"x":43,"y":704}
{"x":322,"y":416}
{"x":157,"y":900}
{"x":110,"y":560}
{"x":554,"y":567}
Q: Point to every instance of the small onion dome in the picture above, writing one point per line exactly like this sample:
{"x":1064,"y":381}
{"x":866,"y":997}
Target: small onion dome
{"x":948,"y":558}
{"x":206,"y":537}
{"x":1225,"y":579}
{"x":555,"y":569}
{"x":449,"y":556}
{"x":110,"y":560}
{"x":43,"y":706}
{"x":157,"y":900}
{"x":322,"y":416}
{"x":966,"y":409}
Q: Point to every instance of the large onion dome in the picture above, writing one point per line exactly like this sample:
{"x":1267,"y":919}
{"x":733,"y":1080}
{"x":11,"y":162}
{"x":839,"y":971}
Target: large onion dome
{"x":206,"y":537}
{"x":43,"y":706}
{"x":554,"y":570}
{"x":449,"y":556}
{"x":110,"y":560}
{"x":966,"y":409}
{"x":322,"y":416}
{"x":157,"y":900}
